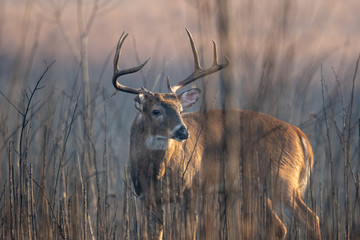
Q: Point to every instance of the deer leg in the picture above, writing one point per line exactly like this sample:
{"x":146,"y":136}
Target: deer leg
{"x":157,"y":224}
{"x":276,"y":228}
{"x":305,"y":216}
{"x":153,"y":221}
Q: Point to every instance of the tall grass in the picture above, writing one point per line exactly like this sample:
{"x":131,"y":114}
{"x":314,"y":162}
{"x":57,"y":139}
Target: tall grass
{"x":64,"y":150}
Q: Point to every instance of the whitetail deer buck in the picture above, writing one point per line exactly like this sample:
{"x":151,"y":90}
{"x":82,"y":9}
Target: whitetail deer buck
{"x":173,"y":153}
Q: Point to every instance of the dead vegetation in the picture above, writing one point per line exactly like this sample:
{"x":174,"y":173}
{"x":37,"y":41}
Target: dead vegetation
{"x":64,"y":151}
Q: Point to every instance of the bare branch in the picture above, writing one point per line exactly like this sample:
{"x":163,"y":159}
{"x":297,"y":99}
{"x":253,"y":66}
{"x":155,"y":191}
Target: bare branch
{"x":11,"y":103}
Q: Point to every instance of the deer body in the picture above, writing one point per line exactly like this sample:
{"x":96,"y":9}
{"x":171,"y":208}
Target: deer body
{"x":264,"y":143}
{"x":274,"y":143}
{"x":173,"y":153}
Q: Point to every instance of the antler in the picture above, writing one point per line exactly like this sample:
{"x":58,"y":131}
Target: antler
{"x":117,"y":72}
{"x":199,"y":72}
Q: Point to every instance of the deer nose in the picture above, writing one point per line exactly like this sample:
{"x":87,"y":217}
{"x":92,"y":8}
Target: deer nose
{"x":182,"y":133}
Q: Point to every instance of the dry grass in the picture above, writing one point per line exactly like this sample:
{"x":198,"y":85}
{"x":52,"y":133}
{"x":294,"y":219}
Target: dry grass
{"x":64,"y":172}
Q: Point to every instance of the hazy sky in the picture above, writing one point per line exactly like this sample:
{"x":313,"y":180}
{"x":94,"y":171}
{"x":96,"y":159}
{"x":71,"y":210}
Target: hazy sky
{"x":156,"y":29}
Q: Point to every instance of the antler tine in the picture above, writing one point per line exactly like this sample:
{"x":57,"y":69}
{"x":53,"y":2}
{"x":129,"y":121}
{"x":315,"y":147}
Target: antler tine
{"x":215,"y":61}
{"x":194,"y":50}
{"x":118,"y":51}
{"x":117,"y":72}
{"x":198,"y":71}
{"x":168,"y":85}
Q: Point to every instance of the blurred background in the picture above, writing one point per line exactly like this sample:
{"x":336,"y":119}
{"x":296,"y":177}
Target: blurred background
{"x":65,"y":139}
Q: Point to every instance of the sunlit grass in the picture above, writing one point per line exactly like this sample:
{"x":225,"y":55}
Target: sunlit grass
{"x":64,"y":168}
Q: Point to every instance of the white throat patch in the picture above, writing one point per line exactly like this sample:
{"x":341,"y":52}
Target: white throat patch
{"x":157,"y":142}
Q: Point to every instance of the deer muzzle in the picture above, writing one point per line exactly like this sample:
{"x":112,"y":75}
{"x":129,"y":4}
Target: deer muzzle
{"x":181,"y":133}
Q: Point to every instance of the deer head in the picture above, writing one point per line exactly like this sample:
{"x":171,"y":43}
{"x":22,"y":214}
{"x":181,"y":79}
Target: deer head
{"x":162,"y":111}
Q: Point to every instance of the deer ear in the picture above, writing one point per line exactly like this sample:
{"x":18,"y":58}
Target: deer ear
{"x":139,"y":100}
{"x":189,"y":97}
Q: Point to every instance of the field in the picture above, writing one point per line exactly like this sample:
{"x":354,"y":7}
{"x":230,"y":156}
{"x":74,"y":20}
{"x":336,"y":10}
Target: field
{"x":65,"y":136}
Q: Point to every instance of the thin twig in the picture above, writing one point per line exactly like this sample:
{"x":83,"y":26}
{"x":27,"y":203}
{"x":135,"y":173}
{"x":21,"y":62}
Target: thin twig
{"x":347,"y":153}
{"x":328,"y":139}
{"x":11,"y":103}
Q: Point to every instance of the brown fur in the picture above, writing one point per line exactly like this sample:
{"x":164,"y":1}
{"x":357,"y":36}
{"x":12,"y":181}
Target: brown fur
{"x":266,"y":152}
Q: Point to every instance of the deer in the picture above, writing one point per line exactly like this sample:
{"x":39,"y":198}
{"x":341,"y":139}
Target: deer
{"x":184,"y":151}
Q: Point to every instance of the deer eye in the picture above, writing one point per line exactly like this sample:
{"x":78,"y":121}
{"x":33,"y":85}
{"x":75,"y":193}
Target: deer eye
{"x":156,"y":112}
